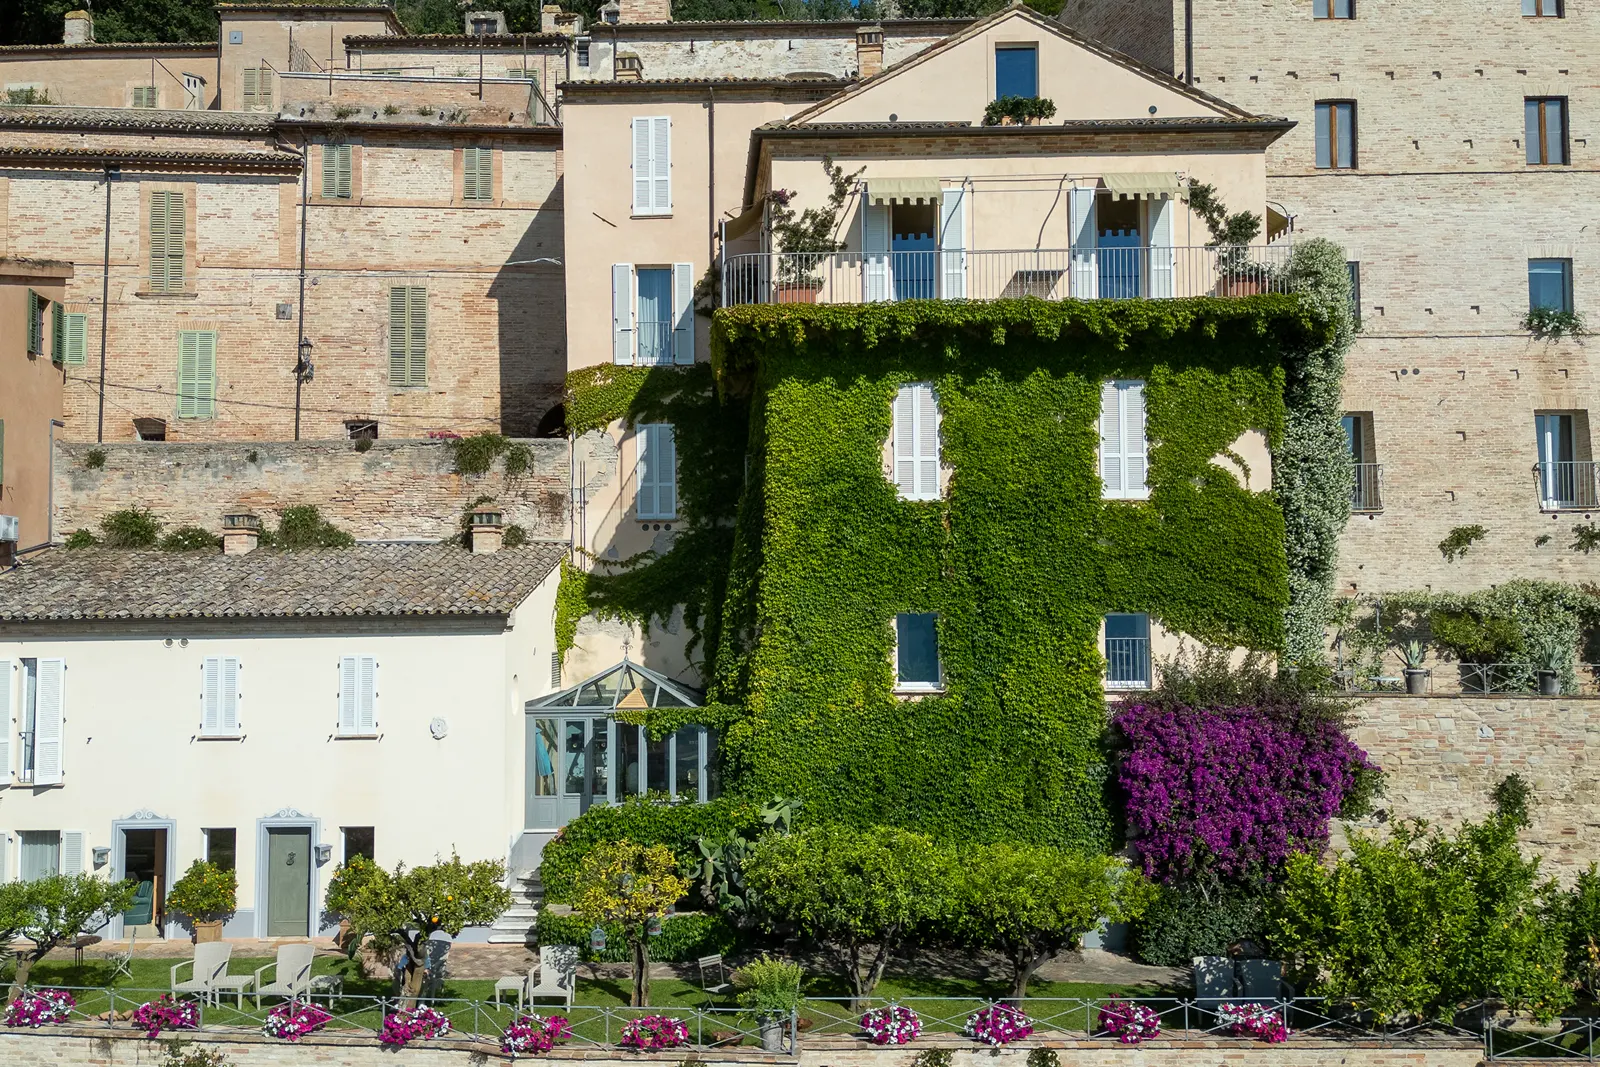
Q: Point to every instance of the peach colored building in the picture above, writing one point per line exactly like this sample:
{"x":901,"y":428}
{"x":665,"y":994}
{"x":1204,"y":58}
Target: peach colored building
{"x":33,"y":332}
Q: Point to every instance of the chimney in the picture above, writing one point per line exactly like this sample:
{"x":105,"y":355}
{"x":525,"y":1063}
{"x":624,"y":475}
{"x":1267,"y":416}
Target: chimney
{"x":241,"y":532}
{"x":633,"y":11}
{"x":487,"y":532}
{"x":554,"y":20}
{"x":869,"y":50}
{"x":78,"y":28}
{"x":630,"y":68}
{"x":481,"y":23}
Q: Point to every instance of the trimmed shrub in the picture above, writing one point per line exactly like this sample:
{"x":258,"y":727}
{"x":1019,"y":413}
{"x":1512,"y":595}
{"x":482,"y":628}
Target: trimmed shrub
{"x":1181,"y":924}
{"x":683,"y":937}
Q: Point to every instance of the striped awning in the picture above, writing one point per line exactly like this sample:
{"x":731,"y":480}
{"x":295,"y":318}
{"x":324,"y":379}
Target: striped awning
{"x":902,"y":190}
{"x":1152,"y":185}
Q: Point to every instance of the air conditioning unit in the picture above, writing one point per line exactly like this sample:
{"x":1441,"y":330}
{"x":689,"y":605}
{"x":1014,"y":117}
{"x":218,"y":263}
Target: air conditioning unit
{"x":8,"y":528}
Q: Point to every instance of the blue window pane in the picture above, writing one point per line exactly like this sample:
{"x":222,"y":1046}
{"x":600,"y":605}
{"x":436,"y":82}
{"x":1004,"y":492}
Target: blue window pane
{"x":655,"y":316}
{"x":1550,"y":284}
{"x":1128,"y":651}
{"x":918,"y":640}
{"x":1016,"y":71}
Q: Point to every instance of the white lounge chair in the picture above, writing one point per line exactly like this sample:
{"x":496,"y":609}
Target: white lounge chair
{"x":210,"y":964}
{"x":518,"y":984}
{"x":714,"y":977}
{"x":291,"y":976}
{"x":558,"y":974}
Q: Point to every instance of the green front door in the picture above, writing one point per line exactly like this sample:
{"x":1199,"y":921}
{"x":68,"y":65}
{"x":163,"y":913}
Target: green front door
{"x":288,"y":883}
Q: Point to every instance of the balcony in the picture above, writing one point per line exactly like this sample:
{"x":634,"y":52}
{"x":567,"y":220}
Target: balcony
{"x":1567,"y":486}
{"x":1367,"y":496}
{"x":1049,"y":274}
{"x":1127,"y":663}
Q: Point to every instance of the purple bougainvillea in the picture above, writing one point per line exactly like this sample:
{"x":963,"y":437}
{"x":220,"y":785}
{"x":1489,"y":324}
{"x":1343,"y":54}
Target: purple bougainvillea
{"x":1230,"y":791}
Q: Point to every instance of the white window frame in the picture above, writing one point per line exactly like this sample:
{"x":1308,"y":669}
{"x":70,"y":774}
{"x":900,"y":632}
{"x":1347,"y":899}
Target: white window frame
{"x":1128,"y":683}
{"x":915,"y":421}
{"x":349,"y":722}
{"x":219,"y":697}
{"x":905,"y":687}
{"x":1122,"y":488}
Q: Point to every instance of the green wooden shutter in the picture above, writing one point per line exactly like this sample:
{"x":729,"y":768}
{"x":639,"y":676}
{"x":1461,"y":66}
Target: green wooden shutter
{"x":34,"y":341}
{"x":175,"y":251}
{"x":342,"y":187}
{"x":397,"y":335}
{"x":58,"y":334}
{"x":77,"y":350}
{"x":197,"y":374}
{"x":248,"y":89}
{"x":166,"y":242}
{"x":417,"y":343}
{"x":144,"y":96}
{"x":477,"y":174}
{"x":336,"y":171}
{"x":485,"y":174}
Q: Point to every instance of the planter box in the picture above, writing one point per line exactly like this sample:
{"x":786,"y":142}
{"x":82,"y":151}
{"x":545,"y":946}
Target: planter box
{"x":791,"y":293}
{"x":205,"y":931}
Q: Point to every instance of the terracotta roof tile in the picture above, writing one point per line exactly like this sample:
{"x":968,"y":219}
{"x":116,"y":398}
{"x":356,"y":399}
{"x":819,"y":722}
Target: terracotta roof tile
{"x":49,"y":116}
{"x":365,"y":580}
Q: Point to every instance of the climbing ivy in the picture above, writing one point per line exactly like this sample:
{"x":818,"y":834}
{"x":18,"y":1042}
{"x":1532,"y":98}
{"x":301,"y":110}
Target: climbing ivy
{"x":1021,"y":559}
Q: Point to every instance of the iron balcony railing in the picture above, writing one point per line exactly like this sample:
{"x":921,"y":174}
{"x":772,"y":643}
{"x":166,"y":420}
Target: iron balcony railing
{"x":1368,"y":492}
{"x":655,"y":343}
{"x":1047,"y":273}
{"x":1567,"y":486}
{"x":1127,"y":663}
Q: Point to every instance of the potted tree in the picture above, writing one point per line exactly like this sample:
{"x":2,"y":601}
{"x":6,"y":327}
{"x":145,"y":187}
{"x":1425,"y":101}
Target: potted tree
{"x":769,"y":989}
{"x":1412,"y":654}
{"x":1231,"y":235}
{"x":1550,"y":658}
{"x":1018,"y":111}
{"x":806,"y":238}
{"x":207,"y":894}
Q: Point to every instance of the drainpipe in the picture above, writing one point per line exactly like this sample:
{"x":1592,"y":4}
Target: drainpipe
{"x":711,"y":166}
{"x":105,"y":307}
{"x":299,"y":359}
{"x":50,"y":497}
{"x":1188,"y":42}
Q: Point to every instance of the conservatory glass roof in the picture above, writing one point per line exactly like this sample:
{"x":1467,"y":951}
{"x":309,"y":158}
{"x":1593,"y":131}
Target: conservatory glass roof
{"x":627,"y":685}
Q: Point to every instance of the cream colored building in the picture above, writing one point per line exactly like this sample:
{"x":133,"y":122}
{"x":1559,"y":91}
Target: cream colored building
{"x":670,"y":174}
{"x":273,"y":711}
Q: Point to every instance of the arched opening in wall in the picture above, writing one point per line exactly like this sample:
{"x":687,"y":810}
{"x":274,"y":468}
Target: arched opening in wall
{"x":554,"y":422}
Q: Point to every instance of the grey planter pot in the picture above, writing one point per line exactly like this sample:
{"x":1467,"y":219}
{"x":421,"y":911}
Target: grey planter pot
{"x":1416,"y":681}
{"x":772,"y":1033}
{"x":1549,"y":684}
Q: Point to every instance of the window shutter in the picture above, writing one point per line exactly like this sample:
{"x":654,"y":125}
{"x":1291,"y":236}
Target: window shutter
{"x":211,"y":695}
{"x":34,"y":341}
{"x":664,"y":457}
{"x":485,"y":174}
{"x":1134,"y":449}
{"x":7,"y":684}
{"x":397,"y":335}
{"x":366,"y":695}
{"x":5,"y":855}
{"x":469,"y":174}
{"x":58,"y":333}
{"x":72,"y":849}
{"x":249,"y":84}
{"x":877,"y":284}
{"x":927,"y":409}
{"x":166,"y":242}
{"x":206,"y":373}
{"x":1324,"y":135}
{"x":645,"y":499}
{"x":905,"y":442}
{"x":683,"y":313}
{"x":661,"y":163}
{"x":49,"y":721}
{"x":342,"y":174}
{"x":1161,"y":254}
{"x":1085,"y":267}
{"x":348,"y":682}
{"x":622,"y":312}
{"x":643,"y":188}
{"x":188,"y":373}
{"x":77,"y":339}
{"x":1111,"y":440}
{"x":230,"y":695}
{"x":953,"y":243}
{"x":330,"y":170}
{"x":417,"y":336}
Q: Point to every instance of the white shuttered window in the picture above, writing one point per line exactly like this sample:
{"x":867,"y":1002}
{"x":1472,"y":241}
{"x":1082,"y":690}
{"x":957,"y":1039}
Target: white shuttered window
{"x":49,"y":722}
{"x":219,"y":696}
{"x":915,"y":442}
{"x":72,"y":850}
{"x":652,"y":166}
{"x":358,"y":696}
{"x":623,"y":298}
{"x":1124,"y":453}
{"x":657,"y":477}
{"x":8,"y":684}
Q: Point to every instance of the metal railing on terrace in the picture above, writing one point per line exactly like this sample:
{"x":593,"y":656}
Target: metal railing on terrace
{"x":1127,"y":663}
{"x":1047,"y":273}
{"x":1568,"y":486}
{"x":1472,"y":679}
{"x":477,"y":1023}
{"x":1367,"y":495}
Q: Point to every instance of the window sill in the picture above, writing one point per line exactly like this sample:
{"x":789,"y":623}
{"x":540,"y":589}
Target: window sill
{"x":1128,"y":687}
{"x":145,"y":294}
{"x":656,"y":518}
{"x":1129,"y":498}
{"x":357,"y":737}
{"x":651,"y":215}
{"x":219,"y":736}
{"x":918,"y":690}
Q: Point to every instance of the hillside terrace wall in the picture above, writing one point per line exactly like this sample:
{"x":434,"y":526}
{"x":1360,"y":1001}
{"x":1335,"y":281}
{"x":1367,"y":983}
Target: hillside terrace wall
{"x":396,"y":490}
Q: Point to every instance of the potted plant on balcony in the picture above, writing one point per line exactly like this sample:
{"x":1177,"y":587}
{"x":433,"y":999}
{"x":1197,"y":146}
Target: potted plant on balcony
{"x":1551,"y":657}
{"x":207,"y":894}
{"x":1412,"y":653}
{"x":769,"y":989}
{"x":1231,"y":235}
{"x":1018,"y":111}
{"x":804,"y":239}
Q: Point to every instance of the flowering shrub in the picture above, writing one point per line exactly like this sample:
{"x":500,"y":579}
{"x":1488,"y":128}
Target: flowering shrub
{"x":404,"y":1027}
{"x":294,"y":1019}
{"x":1129,"y":1023}
{"x":531,"y":1035}
{"x":40,"y":1008}
{"x":1230,"y":791}
{"x":893,"y":1025}
{"x":164,"y":1013}
{"x":999,"y":1024}
{"x":205,"y":892}
{"x":652,"y":1032}
{"x":1255,"y":1020}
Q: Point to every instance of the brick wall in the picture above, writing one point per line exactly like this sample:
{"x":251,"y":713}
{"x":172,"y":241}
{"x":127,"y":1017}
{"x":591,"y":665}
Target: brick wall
{"x":93,"y":1047}
{"x":1443,"y":755}
{"x":398,"y":489}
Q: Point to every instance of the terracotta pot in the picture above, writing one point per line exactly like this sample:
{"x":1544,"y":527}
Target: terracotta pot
{"x":790,"y":293}
{"x":1238,"y":286}
{"x":207,"y":930}
{"x":341,"y":940}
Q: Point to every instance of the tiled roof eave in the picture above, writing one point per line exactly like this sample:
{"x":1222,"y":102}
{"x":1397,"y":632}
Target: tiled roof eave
{"x":277,"y":162}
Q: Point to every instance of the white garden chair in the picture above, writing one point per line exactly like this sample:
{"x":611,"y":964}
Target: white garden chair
{"x":209,"y":966}
{"x":558,"y":974}
{"x":291,"y":973}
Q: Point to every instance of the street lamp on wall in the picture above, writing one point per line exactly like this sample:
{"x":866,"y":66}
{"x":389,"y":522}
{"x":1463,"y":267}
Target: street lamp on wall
{"x":303,"y":373}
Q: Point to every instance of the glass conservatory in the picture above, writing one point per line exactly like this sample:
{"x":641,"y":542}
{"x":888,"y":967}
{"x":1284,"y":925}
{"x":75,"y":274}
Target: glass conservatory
{"x":579,"y":755}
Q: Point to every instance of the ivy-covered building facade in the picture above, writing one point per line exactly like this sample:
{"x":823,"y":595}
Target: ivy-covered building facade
{"x":971,"y":421}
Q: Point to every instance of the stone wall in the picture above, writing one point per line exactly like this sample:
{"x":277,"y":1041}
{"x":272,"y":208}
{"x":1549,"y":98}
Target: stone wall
{"x":1443,"y":755}
{"x":31,"y":1049}
{"x":397,"y":489}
